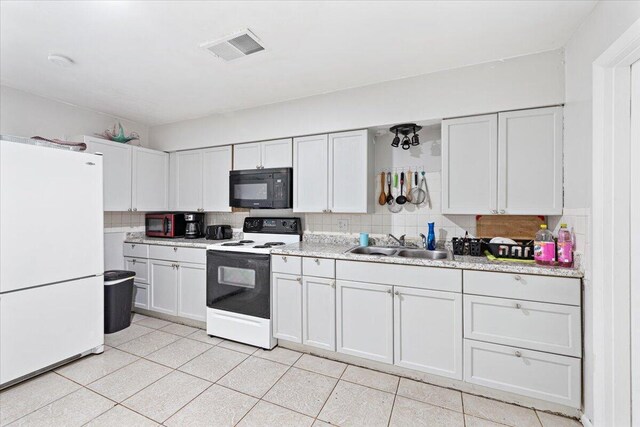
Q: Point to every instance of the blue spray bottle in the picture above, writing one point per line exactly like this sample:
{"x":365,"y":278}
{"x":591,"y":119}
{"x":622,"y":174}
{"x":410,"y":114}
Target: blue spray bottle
{"x":431,"y":237}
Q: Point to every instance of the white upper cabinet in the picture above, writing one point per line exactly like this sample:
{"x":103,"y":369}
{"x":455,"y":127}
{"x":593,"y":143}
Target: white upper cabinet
{"x":150,"y":180}
{"x":333,"y":173}
{"x":134,"y":178}
{"x":277,"y":153}
{"x":186,"y":175}
{"x":350,"y":167}
{"x":116,"y":169}
{"x":310,"y":173}
{"x":216,"y":164}
{"x":469,"y":165}
{"x":530,"y":162}
{"x":200,"y":179}
{"x":246,"y":156}
{"x":263,"y":155}
{"x":507,"y":163}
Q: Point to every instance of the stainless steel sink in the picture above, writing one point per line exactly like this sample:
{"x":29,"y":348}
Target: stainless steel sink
{"x":374,"y":250}
{"x":399,"y":251}
{"x":422,"y":253}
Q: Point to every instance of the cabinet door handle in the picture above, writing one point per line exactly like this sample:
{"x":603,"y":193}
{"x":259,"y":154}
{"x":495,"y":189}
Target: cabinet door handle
{"x":397,"y":293}
{"x":389,"y":291}
{"x":333,"y":284}
{"x":133,"y":261}
{"x":135,"y":209}
{"x":175,"y":249}
{"x":518,"y":306}
{"x":133,"y":246}
{"x":493,"y":211}
{"x":299,"y":279}
{"x":518,"y":278}
{"x":284,"y":258}
{"x":317,"y":260}
{"x":502,"y":211}
{"x":518,"y":354}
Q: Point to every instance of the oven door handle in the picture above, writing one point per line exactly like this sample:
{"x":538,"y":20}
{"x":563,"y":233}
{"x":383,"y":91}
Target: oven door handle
{"x":165,"y":226}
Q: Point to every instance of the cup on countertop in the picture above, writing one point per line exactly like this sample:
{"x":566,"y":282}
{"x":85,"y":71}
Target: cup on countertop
{"x":364,"y":239}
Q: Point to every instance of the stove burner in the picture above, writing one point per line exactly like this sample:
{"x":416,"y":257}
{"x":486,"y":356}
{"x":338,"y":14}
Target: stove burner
{"x":232,"y":244}
{"x":262,"y":246}
{"x":274,"y":243}
{"x":246,"y":241}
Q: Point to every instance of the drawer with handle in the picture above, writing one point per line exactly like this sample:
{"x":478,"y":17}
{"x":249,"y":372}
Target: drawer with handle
{"x":560,"y":290}
{"x":539,"y":326}
{"x":286,"y":264}
{"x":140,"y":266}
{"x":178,"y":253}
{"x":137,"y":250}
{"x":536,"y":374}
{"x":319,"y":267}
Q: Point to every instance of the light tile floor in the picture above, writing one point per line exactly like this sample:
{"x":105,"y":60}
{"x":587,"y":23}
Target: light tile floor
{"x":161,"y":373}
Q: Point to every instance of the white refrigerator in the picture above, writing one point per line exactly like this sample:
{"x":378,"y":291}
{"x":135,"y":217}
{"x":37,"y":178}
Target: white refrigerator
{"x":51,"y":258}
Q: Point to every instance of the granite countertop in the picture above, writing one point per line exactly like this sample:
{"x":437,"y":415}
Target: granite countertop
{"x":338,"y":251}
{"x":201,"y":243}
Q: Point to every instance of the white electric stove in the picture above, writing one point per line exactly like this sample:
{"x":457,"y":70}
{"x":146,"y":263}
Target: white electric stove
{"x":239,"y":280}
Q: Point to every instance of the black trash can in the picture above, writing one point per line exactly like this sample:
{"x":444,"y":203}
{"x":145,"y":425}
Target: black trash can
{"x":118,"y":295}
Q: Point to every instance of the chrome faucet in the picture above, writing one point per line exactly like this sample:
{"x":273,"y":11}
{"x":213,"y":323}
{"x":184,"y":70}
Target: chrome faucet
{"x":400,"y":241}
{"x":424,"y":240}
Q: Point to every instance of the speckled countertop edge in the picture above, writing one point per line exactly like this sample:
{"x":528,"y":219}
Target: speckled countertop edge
{"x":180,"y":242}
{"x":338,"y":251}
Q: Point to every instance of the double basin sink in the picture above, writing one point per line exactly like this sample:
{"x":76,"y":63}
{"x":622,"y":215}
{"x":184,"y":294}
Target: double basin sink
{"x":399,"y":251}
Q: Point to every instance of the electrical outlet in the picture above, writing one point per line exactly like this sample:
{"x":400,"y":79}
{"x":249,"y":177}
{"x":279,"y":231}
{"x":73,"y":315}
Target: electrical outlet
{"x":343,"y":225}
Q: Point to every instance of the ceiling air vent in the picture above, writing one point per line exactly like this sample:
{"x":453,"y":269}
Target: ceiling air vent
{"x":234,"y":46}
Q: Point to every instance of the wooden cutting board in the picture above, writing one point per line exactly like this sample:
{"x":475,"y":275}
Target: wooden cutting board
{"x":511,"y":226}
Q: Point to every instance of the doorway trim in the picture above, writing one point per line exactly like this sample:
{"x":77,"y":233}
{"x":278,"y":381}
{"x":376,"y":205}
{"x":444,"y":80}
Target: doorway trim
{"x":613,"y":168}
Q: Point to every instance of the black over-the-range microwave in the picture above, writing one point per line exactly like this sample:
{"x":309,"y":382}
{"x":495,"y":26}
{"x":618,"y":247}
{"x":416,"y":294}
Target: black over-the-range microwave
{"x":261,"y":188}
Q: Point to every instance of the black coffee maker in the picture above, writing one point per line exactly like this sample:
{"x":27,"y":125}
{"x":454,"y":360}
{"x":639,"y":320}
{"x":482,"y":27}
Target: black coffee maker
{"x":194,"y":225}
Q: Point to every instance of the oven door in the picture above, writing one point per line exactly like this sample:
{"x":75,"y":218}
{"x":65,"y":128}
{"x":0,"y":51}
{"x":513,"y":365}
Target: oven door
{"x":251,"y":190}
{"x":239,"y":283}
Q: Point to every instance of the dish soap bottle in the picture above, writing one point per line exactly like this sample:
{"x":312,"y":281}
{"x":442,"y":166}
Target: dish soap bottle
{"x":431,"y":237}
{"x":544,"y":247}
{"x":565,"y":247}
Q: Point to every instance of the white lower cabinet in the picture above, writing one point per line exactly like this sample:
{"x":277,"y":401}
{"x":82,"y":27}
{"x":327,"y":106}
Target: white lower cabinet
{"x":530,"y":373}
{"x":141,"y":295}
{"x":428,"y":331}
{"x":174,"y":285}
{"x":364,"y":320}
{"x":164,"y":277}
{"x":554,"y":328}
{"x":319,"y":312}
{"x":192,"y":291}
{"x":287,"y":307}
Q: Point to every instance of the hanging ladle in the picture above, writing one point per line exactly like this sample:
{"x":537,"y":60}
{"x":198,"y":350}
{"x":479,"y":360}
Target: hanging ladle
{"x":401,"y":200}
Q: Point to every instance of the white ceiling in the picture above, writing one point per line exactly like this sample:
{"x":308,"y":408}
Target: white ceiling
{"x":140,"y":59}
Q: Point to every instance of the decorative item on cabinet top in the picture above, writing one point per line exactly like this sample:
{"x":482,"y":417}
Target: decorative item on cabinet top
{"x":118,"y":136}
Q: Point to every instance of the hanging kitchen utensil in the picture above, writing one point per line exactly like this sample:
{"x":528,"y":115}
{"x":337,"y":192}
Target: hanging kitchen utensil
{"x":390,"y":197}
{"x":401,"y":200}
{"x":383,"y":197}
{"x":394,"y":207}
{"x":409,"y":179}
{"x":426,"y":190}
{"x":418,"y":195}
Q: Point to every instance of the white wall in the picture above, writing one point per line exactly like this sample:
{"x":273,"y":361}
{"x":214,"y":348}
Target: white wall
{"x":527,"y":81}
{"x":605,"y":24}
{"x":25,"y":114}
